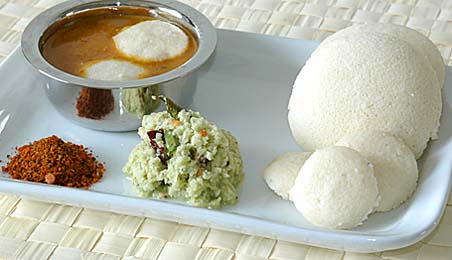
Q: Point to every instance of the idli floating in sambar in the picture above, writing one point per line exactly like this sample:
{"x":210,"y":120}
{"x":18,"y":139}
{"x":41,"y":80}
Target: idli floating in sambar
{"x":367,"y":78}
{"x":113,"y":70}
{"x":152,"y":40}
{"x":120,"y":43}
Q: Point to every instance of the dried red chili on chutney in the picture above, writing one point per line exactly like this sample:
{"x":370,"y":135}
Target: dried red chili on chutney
{"x":51,"y":160}
{"x":95,"y":103}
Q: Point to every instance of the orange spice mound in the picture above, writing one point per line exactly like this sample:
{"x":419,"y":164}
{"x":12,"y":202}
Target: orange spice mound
{"x":53,"y":161}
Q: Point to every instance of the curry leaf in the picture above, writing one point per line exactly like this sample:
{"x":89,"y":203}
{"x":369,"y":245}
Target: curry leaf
{"x":172,"y":108}
{"x":171,"y":144}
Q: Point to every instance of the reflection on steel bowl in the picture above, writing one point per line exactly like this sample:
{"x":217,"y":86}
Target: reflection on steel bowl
{"x":95,"y":103}
{"x":94,"y":75}
{"x":139,"y":100}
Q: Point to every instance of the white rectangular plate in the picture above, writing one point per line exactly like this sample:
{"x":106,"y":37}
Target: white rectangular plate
{"x":244,"y":88}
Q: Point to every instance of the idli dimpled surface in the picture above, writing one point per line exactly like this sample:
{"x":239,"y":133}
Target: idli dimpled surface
{"x":114,"y":70}
{"x":394,"y":165}
{"x":281,"y":173}
{"x":365,"y":81}
{"x":419,"y":42}
{"x":336,"y":188}
{"x":152,"y":40}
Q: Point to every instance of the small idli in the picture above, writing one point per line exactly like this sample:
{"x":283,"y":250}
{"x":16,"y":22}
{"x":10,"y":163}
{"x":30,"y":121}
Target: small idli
{"x":152,"y":40}
{"x":113,"y":70}
{"x":336,"y":188}
{"x":394,"y":165}
{"x":365,"y":81}
{"x":281,"y":173}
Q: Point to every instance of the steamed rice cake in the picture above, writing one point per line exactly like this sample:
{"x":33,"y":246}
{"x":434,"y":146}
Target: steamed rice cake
{"x":281,"y":173}
{"x":336,"y":188}
{"x":394,"y":165}
{"x":419,"y":42}
{"x":152,"y":40}
{"x":113,"y":70}
{"x":365,"y":81}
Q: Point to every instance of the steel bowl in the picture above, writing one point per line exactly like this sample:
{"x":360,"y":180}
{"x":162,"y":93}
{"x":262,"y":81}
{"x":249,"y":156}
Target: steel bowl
{"x":64,"y":89}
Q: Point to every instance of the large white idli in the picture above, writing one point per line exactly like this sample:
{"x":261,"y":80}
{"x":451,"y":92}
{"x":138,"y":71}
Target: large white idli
{"x":417,"y":40}
{"x":281,"y":173}
{"x":394,"y":165}
{"x":336,"y":188}
{"x":113,"y":70}
{"x":152,"y":40}
{"x":365,"y":81}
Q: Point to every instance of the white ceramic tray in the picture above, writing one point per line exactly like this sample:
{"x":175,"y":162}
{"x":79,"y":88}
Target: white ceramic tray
{"x":245,"y":89}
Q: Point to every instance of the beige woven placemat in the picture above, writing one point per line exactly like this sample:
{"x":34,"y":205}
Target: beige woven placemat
{"x":36,"y":230}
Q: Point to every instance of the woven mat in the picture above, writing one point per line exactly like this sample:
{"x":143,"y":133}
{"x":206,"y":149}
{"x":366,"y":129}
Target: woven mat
{"x":36,"y":230}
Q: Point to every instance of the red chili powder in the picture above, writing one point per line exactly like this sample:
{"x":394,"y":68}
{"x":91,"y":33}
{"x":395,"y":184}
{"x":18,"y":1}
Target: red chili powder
{"x":53,"y":161}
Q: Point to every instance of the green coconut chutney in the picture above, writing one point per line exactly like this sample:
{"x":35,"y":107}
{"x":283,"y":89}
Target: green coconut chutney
{"x":183,"y":156}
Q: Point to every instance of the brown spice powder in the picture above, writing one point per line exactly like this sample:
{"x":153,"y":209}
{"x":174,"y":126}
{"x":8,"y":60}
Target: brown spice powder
{"x":53,"y":161}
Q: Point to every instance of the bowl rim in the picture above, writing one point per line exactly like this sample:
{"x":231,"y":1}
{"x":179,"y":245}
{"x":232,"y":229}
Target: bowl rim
{"x":205,"y":31}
